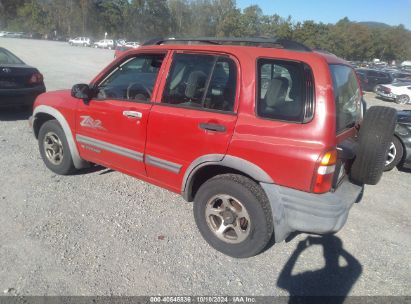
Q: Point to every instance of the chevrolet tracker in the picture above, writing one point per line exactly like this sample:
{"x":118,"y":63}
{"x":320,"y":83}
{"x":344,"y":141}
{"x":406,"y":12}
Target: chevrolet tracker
{"x":265,"y":136}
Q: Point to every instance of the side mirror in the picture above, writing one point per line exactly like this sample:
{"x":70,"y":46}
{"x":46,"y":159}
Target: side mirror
{"x":82,"y":91}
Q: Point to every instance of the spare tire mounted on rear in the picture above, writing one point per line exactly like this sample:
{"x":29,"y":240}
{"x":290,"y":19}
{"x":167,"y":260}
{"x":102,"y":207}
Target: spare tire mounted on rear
{"x":375,"y":136}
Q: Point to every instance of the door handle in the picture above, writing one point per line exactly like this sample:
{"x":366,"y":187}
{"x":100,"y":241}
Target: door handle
{"x":132,"y":114}
{"x":212,"y":127}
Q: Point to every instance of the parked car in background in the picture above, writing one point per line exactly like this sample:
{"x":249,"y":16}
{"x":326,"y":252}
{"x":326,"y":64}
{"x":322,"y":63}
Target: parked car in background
{"x":80,"y":41}
{"x":399,"y":92}
{"x":14,"y":35}
{"x":399,"y":153}
{"x":132,"y":44}
{"x":400,"y":76}
{"x":33,"y":35}
{"x":20,"y":83}
{"x":120,"y":49}
{"x":104,"y":44}
{"x":370,"y":78}
{"x":120,"y":42}
{"x":406,"y":64}
{"x":3,"y":33}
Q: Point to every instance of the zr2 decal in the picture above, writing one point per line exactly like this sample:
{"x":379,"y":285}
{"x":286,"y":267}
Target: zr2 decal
{"x":89,"y":122}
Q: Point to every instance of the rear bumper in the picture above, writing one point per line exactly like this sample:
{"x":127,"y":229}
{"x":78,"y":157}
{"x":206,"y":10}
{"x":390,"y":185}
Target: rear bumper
{"x":295,"y":210}
{"x":19,"y":97}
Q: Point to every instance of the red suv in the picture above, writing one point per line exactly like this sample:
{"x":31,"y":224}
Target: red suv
{"x":266,"y":136}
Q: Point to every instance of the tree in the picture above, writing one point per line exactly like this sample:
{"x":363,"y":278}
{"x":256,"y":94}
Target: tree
{"x":112,"y":17}
{"x":33,"y":17}
{"x":314,"y":35}
{"x":144,"y":19}
{"x":251,"y":21}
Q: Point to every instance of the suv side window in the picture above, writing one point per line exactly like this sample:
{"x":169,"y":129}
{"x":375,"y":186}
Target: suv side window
{"x":347,"y":96}
{"x":281,"y":91}
{"x":201,"y":81}
{"x":133,"y":80}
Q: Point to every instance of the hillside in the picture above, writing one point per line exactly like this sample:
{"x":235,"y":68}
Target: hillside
{"x":373,"y":24}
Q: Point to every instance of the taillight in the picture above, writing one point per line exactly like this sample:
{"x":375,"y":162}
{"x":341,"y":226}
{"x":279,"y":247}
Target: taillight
{"x":36,"y":78}
{"x":323,"y":177}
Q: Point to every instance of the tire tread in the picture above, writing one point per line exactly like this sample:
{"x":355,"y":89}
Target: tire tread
{"x":375,"y":136}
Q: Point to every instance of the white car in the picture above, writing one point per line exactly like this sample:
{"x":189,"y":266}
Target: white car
{"x":3,"y":33}
{"x":104,"y":44}
{"x":132,"y":44}
{"x":400,"y":92}
{"x":80,"y":41}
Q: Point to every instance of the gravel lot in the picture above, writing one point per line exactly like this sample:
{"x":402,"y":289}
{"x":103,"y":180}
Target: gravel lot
{"x":103,"y":233}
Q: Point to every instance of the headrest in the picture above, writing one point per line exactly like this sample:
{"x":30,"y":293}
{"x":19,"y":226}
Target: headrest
{"x":195,"y":82}
{"x":276,"y":92}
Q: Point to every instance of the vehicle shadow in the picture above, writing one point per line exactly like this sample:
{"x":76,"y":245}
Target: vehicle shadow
{"x":92,"y":169}
{"x":13,"y":114}
{"x":336,"y":278}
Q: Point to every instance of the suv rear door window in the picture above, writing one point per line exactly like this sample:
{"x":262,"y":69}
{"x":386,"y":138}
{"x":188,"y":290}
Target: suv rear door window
{"x":282,"y":90}
{"x":202,"y":81}
{"x":347,"y":96}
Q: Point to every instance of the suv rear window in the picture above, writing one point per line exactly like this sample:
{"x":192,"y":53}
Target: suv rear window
{"x":347,"y":96}
{"x":283,"y":90}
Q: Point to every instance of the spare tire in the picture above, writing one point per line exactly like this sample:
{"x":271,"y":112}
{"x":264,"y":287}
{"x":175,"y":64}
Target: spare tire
{"x":375,"y":136}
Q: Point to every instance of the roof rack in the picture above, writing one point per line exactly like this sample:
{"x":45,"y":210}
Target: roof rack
{"x":259,"y":42}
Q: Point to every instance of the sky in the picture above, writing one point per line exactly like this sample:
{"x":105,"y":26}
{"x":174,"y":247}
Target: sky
{"x":392,"y":12}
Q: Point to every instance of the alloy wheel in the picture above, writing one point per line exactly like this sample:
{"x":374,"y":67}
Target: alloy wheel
{"x":227,"y":218}
{"x":392,"y":152}
{"x":53,"y":148}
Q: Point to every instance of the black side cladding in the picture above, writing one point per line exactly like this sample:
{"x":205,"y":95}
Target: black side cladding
{"x":375,"y":136}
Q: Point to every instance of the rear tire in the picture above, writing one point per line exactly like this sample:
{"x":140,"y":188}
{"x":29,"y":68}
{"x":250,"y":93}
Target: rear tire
{"x":375,"y":136}
{"x":233,"y":215}
{"x":395,"y":153}
{"x":54,"y":148}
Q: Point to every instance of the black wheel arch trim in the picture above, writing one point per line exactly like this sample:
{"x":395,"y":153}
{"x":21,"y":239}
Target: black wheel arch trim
{"x":228,"y":161}
{"x":79,"y":163}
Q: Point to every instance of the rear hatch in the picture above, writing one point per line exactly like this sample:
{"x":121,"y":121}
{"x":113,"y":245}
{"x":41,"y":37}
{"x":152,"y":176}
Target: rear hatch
{"x":349,"y":111}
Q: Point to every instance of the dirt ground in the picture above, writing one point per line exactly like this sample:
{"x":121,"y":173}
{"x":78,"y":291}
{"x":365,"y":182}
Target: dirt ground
{"x":101,"y":232}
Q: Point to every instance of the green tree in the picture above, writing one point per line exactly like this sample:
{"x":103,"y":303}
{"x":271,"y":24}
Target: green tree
{"x":314,"y":35}
{"x":251,"y":21}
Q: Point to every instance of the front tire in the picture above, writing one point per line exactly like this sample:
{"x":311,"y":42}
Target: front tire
{"x":402,"y":99}
{"x":233,"y":215}
{"x":395,"y":153}
{"x":375,"y":88}
{"x":54,"y":148}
